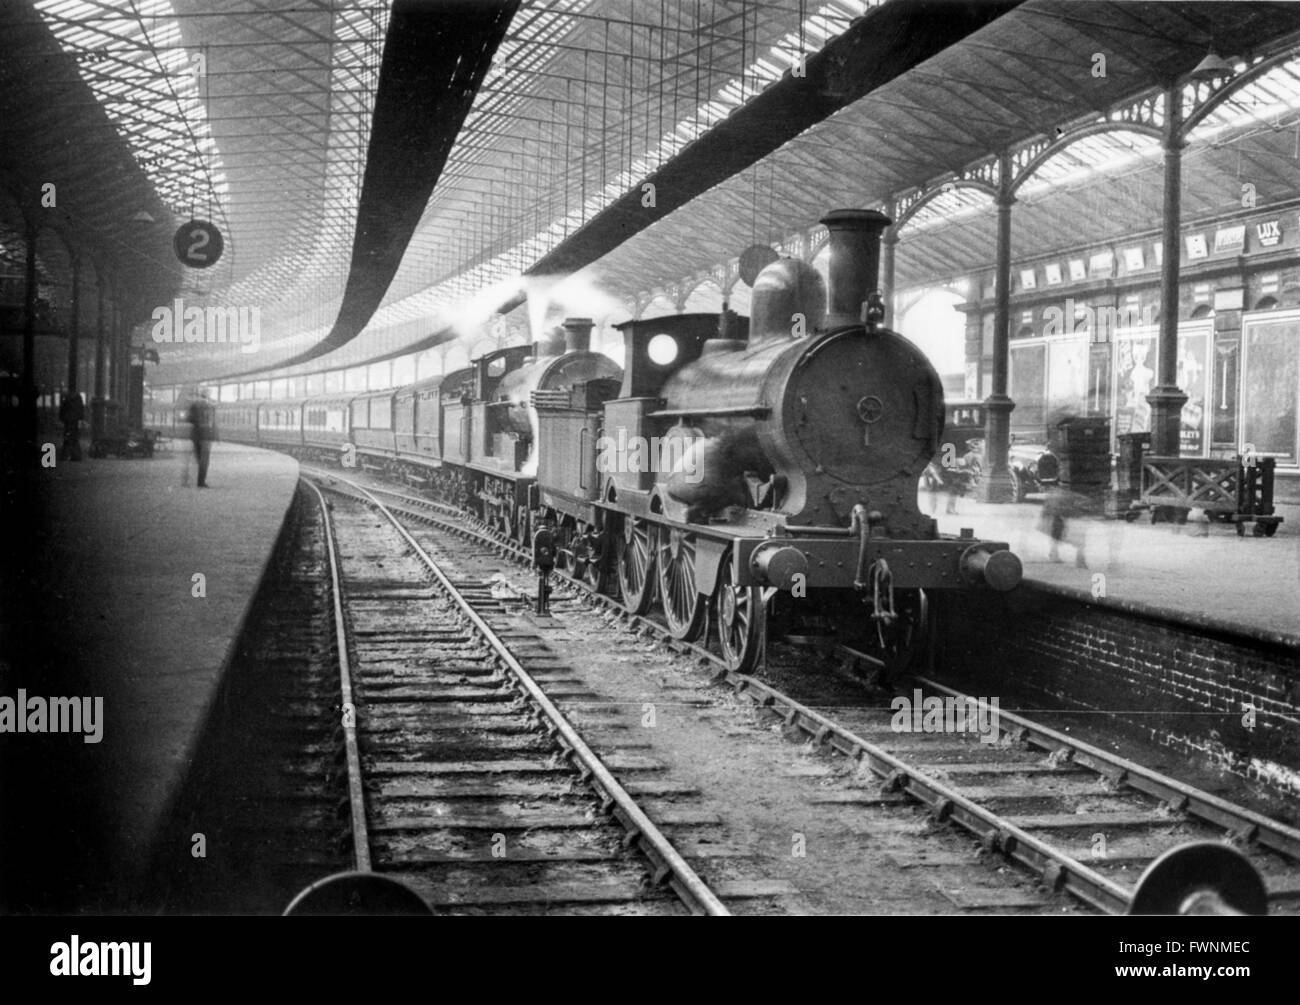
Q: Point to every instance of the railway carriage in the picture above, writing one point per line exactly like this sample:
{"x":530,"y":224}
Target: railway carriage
{"x":325,"y":432}
{"x":279,"y":423}
{"x":417,"y":421}
{"x":237,"y":422}
{"x":374,"y":428}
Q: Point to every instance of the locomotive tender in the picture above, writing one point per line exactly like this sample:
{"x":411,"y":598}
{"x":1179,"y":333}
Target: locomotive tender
{"x":763,"y":481}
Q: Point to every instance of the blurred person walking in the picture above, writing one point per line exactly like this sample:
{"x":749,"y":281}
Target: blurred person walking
{"x":72,"y":411}
{"x":202,"y":417}
{"x":1059,"y":504}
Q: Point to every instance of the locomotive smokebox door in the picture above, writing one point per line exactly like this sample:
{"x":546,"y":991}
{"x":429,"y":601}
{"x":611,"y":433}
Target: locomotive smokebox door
{"x":544,"y":549}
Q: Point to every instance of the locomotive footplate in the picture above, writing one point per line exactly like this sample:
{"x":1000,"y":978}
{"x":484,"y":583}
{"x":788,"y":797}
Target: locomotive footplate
{"x":833,"y":562}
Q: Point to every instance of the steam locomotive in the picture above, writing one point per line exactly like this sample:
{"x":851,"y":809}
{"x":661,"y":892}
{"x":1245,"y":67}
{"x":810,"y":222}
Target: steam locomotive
{"x":745,"y":476}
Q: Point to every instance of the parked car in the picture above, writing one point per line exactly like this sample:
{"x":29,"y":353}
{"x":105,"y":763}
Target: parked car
{"x":1022,"y":459}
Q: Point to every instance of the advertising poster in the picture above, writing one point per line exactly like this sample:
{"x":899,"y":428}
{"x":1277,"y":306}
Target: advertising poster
{"x":1193,"y":374}
{"x":1135,"y":375}
{"x":1270,"y":384}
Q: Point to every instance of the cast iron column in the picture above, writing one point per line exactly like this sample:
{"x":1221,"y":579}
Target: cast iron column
{"x":1166,"y":399}
{"x":74,"y":330}
{"x":996,"y":486}
{"x":101,"y":362}
{"x":114,"y":363}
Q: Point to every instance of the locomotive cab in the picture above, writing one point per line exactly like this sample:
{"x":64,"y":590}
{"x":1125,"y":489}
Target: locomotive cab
{"x":491,"y":444}
{"x":631,"y":451}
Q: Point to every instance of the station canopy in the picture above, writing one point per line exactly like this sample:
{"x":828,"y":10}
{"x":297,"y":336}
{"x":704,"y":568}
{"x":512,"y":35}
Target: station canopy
{"x":291,"y":127}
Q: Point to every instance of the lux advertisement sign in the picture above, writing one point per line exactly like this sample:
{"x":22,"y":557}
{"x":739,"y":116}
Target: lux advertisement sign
{"x":1269,"y":232}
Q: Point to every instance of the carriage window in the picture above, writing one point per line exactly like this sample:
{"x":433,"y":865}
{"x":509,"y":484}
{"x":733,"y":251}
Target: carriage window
{"x":497,"y":367}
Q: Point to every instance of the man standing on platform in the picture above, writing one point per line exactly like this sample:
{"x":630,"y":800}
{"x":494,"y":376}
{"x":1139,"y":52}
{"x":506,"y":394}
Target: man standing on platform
{"x":71,"y":413}
{"x":202,"y":417}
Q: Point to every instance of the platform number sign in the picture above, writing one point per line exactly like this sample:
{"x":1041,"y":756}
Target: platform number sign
{"x":198,"y":244}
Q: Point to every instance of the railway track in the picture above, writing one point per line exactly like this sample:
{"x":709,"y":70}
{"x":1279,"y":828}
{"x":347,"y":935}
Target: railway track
{"x":1082,"y":820}
{"x":466,"y":780}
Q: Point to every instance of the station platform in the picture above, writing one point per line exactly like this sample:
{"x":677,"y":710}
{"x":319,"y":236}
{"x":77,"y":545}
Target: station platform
{"x":1197,"y":573}
{"x":125,"y":542}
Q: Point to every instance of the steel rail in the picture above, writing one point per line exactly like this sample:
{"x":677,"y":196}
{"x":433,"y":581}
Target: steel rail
{"x":1244,"y":823}
{"x":668,"y":862}
{"x":1058,"y":870}
{"x":356,"y":791}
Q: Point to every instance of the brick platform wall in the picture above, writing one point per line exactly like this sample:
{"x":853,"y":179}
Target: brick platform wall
{"x":1153,"y":678}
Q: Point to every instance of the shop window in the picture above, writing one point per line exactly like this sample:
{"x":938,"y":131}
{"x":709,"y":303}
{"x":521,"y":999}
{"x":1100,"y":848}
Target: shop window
{"x":1027,"y":385}
{"x":1067,"y":379}
{"x":1271,"y":386}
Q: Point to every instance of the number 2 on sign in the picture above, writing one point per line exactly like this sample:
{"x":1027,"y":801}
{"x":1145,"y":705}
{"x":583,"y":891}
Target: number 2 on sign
{"x":198,"y":241}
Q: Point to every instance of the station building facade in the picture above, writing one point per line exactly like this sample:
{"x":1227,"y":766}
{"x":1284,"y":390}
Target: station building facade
{"x":1084,"y":328}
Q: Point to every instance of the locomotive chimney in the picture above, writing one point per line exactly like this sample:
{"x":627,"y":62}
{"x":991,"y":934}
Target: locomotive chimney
{"x":577,"y":334}
{"x":855,"y":262}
